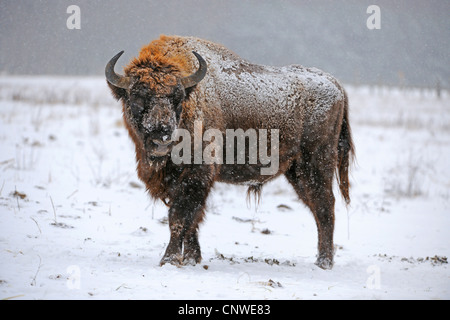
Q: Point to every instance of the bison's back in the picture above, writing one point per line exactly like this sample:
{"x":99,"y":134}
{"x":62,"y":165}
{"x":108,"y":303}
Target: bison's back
{"x":257,"y":95}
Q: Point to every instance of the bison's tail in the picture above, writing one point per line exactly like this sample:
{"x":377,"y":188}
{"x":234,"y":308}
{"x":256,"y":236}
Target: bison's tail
{"x":346,"y":153}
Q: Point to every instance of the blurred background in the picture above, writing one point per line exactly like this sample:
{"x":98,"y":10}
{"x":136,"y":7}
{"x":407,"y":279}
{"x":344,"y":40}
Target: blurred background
{"x":410,"y":49}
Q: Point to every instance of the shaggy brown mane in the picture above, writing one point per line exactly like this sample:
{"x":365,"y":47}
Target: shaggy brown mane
{"x":160,"y":56}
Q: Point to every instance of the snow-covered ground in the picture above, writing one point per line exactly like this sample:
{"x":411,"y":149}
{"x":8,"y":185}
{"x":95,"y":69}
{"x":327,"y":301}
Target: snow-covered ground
{"x":75,"y":222}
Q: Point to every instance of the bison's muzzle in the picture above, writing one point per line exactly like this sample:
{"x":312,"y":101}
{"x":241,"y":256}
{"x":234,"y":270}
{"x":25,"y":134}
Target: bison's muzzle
{"x":162,"y":147}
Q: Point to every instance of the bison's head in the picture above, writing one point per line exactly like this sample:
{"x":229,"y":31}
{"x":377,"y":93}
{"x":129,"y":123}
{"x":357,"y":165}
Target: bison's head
{"x":153,"y":101}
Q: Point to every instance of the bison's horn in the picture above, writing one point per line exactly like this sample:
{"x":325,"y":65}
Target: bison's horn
{"x":195,"y":78}
{"x":114,"y":78}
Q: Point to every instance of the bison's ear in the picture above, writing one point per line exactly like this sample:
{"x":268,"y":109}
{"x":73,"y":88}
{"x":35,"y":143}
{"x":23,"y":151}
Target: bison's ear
{"x":118,"y":93}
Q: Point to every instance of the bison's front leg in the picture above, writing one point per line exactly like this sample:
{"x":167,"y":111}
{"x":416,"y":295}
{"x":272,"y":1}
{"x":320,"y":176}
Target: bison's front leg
{"x":185,"y":214}
{"x":192,"y":254}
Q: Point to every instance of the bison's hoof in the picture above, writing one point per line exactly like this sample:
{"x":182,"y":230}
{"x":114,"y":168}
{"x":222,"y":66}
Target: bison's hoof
{"x":324,"y":263}
{"x":174,"y":259}
{"x":190,"y":260}
{"x":192,"y":257}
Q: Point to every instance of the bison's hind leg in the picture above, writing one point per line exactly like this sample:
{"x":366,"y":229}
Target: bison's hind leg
{"x":313,"y":182}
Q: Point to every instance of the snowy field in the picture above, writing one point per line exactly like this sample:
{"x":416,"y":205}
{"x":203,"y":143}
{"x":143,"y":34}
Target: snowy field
{"x":75,"y":222}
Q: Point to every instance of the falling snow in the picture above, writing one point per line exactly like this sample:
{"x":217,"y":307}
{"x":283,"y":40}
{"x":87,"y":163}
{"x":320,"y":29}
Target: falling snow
{"x":77,"y":223}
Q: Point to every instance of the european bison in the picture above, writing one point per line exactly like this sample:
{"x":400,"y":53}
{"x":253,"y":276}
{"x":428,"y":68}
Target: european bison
{"x":191,"y":84}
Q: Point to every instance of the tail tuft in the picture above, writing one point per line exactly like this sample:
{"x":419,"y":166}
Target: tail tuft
{"x":346,"y":153}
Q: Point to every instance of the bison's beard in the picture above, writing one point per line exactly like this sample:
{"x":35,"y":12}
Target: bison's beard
{"x":159,"y":163}
{"x":156,"y":162}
